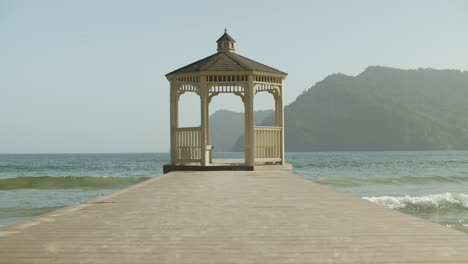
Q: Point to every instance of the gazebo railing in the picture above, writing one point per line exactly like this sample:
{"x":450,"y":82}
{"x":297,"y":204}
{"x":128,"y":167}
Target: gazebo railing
{"x":187,"y":142}
{"x":268,"y":144}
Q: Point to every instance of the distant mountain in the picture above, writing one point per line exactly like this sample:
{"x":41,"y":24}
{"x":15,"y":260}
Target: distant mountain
{"x":226,"y":127}
{"x":381,"y":109}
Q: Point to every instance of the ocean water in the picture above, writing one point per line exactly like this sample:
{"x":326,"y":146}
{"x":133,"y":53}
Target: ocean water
{"x":432,"y":184}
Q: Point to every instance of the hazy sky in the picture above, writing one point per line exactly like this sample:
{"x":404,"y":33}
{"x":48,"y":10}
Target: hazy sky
{"x":88,"y":76}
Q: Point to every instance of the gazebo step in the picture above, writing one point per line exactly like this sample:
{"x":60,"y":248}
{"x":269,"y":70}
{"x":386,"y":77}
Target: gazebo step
{"x":226,"y":165}
{"x":233,"y":167}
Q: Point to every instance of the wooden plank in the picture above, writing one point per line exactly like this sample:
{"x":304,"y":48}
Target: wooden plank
{"x":230,"y":217}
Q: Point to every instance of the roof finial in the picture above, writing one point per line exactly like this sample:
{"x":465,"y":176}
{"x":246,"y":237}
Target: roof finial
{"x":225,"y":30}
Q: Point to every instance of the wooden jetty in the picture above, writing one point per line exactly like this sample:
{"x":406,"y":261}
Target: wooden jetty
{"x":230,"y":217}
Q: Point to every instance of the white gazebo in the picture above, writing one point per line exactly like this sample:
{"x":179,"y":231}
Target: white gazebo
{"x":226,"y":72}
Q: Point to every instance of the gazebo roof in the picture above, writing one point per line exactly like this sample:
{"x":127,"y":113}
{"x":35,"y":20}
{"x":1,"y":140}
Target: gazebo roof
{"x":225,"y":61}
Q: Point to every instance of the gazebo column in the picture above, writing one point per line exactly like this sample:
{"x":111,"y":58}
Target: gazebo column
{"x":279,"y":111}
{"x":174,"y":123}
{"x":207,"y":113}
{"x":204,"y":120}
{"x":249,"y":122}
{"x":246,"y":125}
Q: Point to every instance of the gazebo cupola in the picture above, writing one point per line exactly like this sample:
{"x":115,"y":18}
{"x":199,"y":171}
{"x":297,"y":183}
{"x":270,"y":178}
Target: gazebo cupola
{"x":229,"y":73}
{"x":225,"y":43}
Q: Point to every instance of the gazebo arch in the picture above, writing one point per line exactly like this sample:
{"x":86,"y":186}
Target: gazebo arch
{"x":226,"y":72}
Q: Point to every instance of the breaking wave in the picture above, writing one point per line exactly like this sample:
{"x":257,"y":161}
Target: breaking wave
{"x":358,"y":181}
{"x":427,"y":202}
{"x":67,"y":182}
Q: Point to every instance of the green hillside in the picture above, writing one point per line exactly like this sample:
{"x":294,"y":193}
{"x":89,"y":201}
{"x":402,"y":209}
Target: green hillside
{"x":381,"y":109}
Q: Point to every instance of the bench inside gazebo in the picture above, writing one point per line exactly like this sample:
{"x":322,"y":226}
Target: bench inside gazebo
{"x":226,"y":72}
